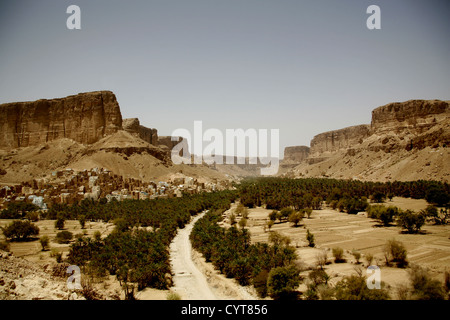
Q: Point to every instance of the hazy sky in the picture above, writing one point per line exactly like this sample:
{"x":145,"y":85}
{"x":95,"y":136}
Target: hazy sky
{"x":303,"y":67}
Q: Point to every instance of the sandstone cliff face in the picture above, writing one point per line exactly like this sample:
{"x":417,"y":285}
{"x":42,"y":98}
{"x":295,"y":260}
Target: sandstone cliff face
{"x":296,"y":154}
{"x":414,"y":115}
{"x":133,"y":126}
{"x":332,"y":141}
{"x":405,"y":141}
{"x":85,"y":118}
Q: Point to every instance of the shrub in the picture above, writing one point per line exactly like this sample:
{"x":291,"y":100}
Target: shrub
{"x":295,"y":217}
{"x":369,"y":258}
{"x":394,"y":251}
{"x":20,"y":230}
{"x":438,"y":217}
{"x":285,"y":213}
{"x":384,"y":215}
{"x":64,"y":237}
{"x":356,"y":255}
{"x":423,"y":286}
{"x":310,"y":238}
{"x":282,"y":282}
{"x":338,"y":254}
{"x":44,"y":240}
{"x":321,"y":259}
{"x":410,"y":221}
{"x":59,"y":223}
{"x":354,"y":287}
{"x":82,"y":220}
{"x":33,"y":216}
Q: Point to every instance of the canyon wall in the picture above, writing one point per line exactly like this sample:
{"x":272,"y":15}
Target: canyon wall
{"x":415,"y":115}
{"x":332,"y":141}
{"x":85,"y":118}
{"x":413,"y":124}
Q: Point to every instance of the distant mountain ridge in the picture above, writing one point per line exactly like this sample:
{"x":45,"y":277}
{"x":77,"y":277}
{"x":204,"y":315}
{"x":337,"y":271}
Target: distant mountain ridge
{"x":402,"y":130}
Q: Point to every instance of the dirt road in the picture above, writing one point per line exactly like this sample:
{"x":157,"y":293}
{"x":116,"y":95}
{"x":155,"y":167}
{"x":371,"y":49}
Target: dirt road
{"x":189,"y":282}
{"x":195,"y":279}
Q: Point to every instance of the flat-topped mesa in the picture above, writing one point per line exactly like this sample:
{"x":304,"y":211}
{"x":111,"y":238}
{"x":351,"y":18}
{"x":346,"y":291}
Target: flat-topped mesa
{"x":133,"y":126}
{"x":296,"y":154}
{"x":414,"y":115}
{"x":333,"y":141}
{"x":85,"y":118}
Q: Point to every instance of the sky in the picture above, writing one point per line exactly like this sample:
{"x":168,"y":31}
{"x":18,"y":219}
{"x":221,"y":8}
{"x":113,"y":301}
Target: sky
{"x":303,"y":67}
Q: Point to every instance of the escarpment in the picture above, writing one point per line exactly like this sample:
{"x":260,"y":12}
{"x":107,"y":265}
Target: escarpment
{"x":85,"y":118}
{"x":404,"y":141}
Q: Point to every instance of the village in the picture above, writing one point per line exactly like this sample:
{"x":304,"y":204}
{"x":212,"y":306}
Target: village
{"x":69,"y":186}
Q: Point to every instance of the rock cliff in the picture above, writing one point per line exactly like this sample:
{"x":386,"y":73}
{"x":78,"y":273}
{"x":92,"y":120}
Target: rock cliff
{"x":133,"y":126}
{"x":84,"y":118}
{"x":405,"y":141}
{"x":328,"y":142}
{"x":296,"y":154}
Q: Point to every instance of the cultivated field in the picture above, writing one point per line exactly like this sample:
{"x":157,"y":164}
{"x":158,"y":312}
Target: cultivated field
{"x":430,"y":248}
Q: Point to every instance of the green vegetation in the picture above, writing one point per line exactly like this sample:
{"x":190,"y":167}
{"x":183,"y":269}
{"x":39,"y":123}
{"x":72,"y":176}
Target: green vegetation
{"x":64,"y":236}
{"x":346,"y":195}
{"x":20,"y":230}
{"x":310,"y":238}
{"x":385,"y":215}
{"x":230,"y":251}
{"x":17,"y":210}
{"x":45,"y":243}
{"x":411,"y":221}
{"x":395,"y":252}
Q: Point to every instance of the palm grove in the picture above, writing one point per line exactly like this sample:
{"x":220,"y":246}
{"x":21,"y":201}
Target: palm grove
{"x":136,"y":252}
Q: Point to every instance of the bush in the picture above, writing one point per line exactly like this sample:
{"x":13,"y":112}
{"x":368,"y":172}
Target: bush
{"x":64,"y":237}
{"x":282,"y":282}
{"x":295,"y":217}
{"x":33,"y":216}
{"x":384,"y":215}
{"x":423,"y":286}
{"x":410,"y":221}
{"x":356,"y":255}
{"x":82,"y":220}
{"x":20,"y":230}
{"x":310,"y":238}
{"x":59,"y":223}
{"x":44,"y":240}
{"x":394,"y":251}
{"x":338,"y":254}
{"x":438,"y":217}
{"x":354,"y":287}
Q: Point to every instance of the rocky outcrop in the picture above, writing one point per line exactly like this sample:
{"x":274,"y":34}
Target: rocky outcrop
{"x":133,"y":126}
{"x":295,"y":154}
{"x":84,"y":118}
{"x":333,"y":141}
{"x":416,"y":116}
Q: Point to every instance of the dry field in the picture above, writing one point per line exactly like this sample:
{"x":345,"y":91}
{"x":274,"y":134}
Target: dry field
{"x":430,"y":249}
{"x":32,"y":250}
